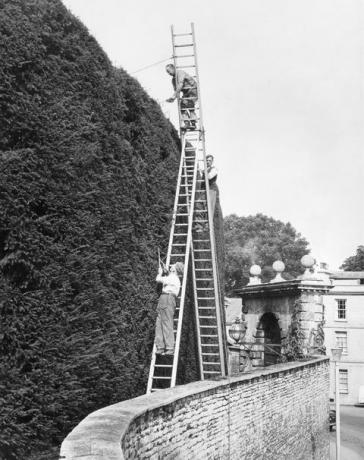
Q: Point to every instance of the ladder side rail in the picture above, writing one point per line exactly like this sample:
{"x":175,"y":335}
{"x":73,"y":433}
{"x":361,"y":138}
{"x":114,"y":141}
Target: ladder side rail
{"x":151,"y":369}
{"x":214,"y":268}
{"x":181,"y":167}
{"x":185,"y":274}
{"x":199,"y":348}
{"x":175,"y":206}
{"x":175,"y":66}
{"x":197,"y":78}
{"x":222,"y":319}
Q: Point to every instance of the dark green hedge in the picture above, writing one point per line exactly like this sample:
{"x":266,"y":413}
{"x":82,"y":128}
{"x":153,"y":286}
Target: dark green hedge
{"x":88,"y":169}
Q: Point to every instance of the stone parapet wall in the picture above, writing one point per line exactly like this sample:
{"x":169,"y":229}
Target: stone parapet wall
{"x":280,"y":412}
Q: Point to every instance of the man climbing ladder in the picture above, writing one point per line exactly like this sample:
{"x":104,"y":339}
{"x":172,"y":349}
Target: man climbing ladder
{"x":185,"y":84}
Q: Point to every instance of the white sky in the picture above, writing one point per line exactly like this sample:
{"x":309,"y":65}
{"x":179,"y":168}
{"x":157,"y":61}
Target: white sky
{"x":283,"y":101}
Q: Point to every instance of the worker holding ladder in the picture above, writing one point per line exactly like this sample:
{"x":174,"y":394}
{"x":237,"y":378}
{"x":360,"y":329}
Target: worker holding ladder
{"x":171,"y":284}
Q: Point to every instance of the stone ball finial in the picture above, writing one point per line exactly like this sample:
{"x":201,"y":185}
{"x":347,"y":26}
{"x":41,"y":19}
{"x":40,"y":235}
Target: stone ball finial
{"x":255,"y":270}
{"x":278,"y":267}
{"x":307,"y":261}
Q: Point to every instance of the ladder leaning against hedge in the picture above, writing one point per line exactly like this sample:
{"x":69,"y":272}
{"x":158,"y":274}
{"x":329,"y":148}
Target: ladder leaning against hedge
{"x":191,"y":209}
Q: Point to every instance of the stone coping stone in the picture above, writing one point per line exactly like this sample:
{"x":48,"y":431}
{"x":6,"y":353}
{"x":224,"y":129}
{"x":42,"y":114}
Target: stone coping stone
{"x":100,"y":434}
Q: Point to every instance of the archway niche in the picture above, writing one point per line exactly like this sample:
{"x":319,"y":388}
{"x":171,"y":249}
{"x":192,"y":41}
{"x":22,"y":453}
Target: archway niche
{"x":269,"y":332}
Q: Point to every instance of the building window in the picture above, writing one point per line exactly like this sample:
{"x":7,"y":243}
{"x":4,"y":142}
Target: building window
{"x":342,"y":341}
{"x":341,"y":308}
{"x":343,"y":381}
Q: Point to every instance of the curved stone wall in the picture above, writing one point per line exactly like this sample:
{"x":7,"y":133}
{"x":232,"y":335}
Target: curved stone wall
{"x":276,"y":413}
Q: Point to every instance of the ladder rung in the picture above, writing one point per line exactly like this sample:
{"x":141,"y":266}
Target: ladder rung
{"x":211,"y":372}
{"x":182,"y":214}
{"x":205,"y":298}
{"x":203,"y":260}
{"x":163,"y":365}
{"x":185,"y":67}
{"x":181,"y":225}
{"x":202,"y":250}
{"x":211,"y":354}
{"x":161,"y":378}
{"x":178,"y":244}
{"x":184,"y":45}
{"x":184,"y":55}
{"x":205,"y":289}
{"x":182,"y":35}
{"x":203,"y":269}
{"x":207,"y":317}
{"x":208,"y":335}
{"x":206,"y":327}
{"x":204,"y":279}
{"x":210,"y":363}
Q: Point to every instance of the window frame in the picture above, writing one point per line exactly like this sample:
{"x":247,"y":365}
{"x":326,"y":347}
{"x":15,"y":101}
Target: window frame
{"x":343,"y":381}
{"x":343,"y":334}
{"x":339,"y":308}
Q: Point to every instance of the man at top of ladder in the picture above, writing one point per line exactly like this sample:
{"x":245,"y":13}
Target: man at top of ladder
{"x":182,"y":82}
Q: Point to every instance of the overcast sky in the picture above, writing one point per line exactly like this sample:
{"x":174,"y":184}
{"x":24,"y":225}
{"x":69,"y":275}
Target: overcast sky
{"x":282,"y":95}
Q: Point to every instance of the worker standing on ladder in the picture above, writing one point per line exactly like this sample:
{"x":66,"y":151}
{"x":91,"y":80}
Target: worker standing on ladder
{"x":182,"y":82}
{"x":164,"y":335}
{"x":212,"y":177}
{"x":200,"y":213}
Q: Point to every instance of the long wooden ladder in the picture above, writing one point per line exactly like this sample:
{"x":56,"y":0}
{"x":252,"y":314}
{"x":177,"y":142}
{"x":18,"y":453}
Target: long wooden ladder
{"x":192,"y":209}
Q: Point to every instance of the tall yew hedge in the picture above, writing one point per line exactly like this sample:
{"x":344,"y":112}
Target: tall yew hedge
{"x":88,"y":170}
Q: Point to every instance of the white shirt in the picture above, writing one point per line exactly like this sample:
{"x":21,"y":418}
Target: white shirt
{"x":171,"y":283}
{"x":211,"y":172}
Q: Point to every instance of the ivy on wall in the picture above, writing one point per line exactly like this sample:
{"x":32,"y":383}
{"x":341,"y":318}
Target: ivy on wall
{"x":293,"y":345}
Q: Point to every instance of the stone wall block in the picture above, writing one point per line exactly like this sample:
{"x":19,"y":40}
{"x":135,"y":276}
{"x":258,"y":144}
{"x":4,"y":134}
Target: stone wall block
{"x":274,"y":413}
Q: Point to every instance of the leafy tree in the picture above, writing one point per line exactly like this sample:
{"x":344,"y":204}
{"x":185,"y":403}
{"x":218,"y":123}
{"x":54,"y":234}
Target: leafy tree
{"x":354,"y":263}
{"x":260,"y":240}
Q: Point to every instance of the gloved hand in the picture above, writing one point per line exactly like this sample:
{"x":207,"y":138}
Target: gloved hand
{"x":170,"y":99}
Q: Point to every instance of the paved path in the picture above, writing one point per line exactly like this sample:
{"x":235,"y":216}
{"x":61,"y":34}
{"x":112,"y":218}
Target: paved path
{"x":352,"y":434}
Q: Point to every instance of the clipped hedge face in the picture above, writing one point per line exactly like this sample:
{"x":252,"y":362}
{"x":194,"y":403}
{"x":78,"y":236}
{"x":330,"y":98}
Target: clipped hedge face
{"x":88,"y":170}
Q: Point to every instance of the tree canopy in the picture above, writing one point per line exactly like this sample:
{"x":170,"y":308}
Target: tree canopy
{"x":260,"y":240}
{"x":356,"y":262}
{"x":88,"y":167}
